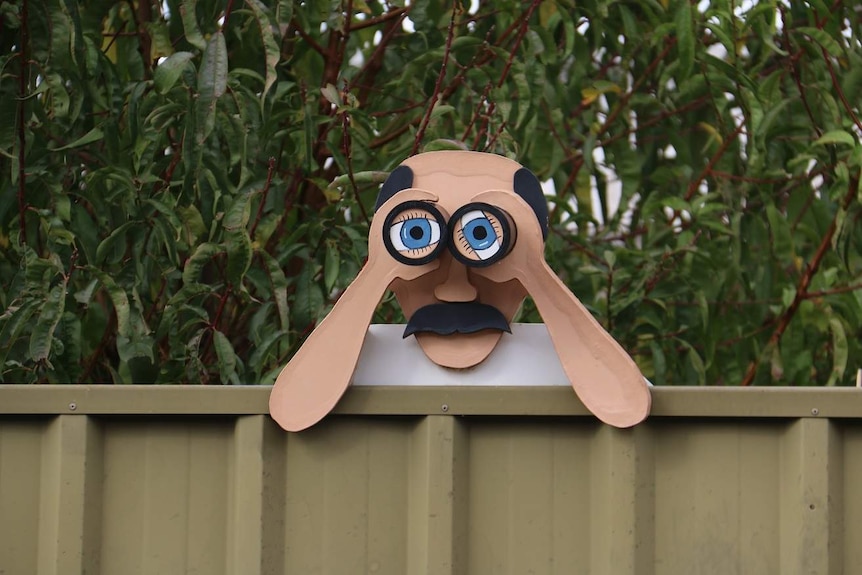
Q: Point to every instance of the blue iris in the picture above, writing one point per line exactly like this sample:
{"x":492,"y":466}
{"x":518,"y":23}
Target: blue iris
{"x":416,"y":233}
{"x":480,"y":234}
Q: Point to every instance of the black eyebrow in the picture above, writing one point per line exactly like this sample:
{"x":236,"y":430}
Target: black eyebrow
{"x":527,"y":185}
{"x":401,"y":178}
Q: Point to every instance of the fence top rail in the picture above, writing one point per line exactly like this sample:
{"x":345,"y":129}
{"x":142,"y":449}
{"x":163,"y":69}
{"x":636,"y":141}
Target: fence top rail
{"x":843,"y":402}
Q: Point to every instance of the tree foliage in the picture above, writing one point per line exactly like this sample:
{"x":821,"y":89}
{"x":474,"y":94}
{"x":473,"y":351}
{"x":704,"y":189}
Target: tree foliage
{"x":186,"y":185}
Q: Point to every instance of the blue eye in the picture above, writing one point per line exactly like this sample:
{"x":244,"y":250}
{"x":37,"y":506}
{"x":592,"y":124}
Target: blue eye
{"x":414,"y":232}
{"x":480,"y":234}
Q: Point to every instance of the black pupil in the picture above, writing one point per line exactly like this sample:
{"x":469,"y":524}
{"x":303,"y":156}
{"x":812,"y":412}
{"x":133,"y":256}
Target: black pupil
{"x":416,"y":233}
{"x":480,"y":233}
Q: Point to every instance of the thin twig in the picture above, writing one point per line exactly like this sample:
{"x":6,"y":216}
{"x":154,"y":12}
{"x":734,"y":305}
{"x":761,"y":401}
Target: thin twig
{"x":569,"y":239}
{"x":450,"y":35}
{"x":489,"y":55}
{"x":837,"y":86}
{"x":308,"y":39}
{"x":22,"y":133}
{"x":347,"y":150}
{"x":119,"y":33}
{"x":364,"y":80}
{"x":624,"y":99}
{"x":707,"y":171}
{"x":493,"y":139}
{"x":142,"y":15}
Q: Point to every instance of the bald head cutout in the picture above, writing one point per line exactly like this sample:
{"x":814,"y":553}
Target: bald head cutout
{"x":459,"y":238}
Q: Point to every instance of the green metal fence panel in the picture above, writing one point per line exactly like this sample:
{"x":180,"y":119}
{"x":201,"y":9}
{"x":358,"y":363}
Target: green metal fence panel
{"x":163,"y":480}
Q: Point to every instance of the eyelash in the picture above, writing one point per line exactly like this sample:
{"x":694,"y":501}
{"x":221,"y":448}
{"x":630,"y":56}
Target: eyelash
{"x":410,"y":216}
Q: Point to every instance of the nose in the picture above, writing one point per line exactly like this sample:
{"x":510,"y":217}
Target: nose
{"x":456,"y":285}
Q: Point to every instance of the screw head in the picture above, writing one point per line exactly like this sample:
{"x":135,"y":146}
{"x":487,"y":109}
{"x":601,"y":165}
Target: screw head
{"x":814,"y":411}
{"x":444,"y":408}
{"x":73,"y":406}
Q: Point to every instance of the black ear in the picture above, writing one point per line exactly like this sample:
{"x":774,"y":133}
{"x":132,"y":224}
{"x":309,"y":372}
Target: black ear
{"x":401,"y":178}
{"x":528,"y":187}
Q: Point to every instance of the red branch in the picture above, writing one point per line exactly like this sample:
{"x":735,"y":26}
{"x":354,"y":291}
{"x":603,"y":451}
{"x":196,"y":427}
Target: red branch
{"x":692,"y":187}
{"x":385,"y":17}
{"x":522,"y":31}
{"x":804,"y":281}
{"x":794,"y":71}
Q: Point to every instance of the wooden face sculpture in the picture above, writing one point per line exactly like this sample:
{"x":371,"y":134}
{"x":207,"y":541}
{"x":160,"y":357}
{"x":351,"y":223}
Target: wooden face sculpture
{"x":459,"y":238}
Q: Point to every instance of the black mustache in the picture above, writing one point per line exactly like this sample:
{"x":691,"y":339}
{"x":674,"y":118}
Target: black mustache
{"x":456,"y":317}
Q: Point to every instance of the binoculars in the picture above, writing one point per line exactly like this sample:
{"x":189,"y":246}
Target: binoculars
{"x":477,"y":234}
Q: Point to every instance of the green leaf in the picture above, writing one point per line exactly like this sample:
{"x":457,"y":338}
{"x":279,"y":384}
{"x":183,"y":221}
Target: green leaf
{"x":212,"y":83}
{"x":332,"y":95}
{"x":840,"y":351}
{"x":14,"y":320}
{"x":780,"y":228}
{"x":836,"y":137}
{"x":226,"y":356}
{"x":309,"y":298}
{"x":169,"y":71}
{"x":164,"y":231}
{"x":331,"y":266}
{"x":441,"y":110}
{"x":93,"y":135}
{"x":8,"y":113}
{"x":659,"y":362}
{"x":264,"y":348}
{"x":685,"y":41}
{"x":83,"y":296}
{"x":192,"y":223}
{"x":134,"y":346}
{"x":776,"y":366}
{"x":118,"y":298}
{"x":113,"y":247}
{"x":239,"y":253}
{"x":190,"y":24}
{"x":238,"y":214}
{"x":284,"y":11}
{"x":201,"y":256}
{"x":697,"y":365}
{"x":823,"y":38}
{"x":161,"y":39}
{"x":279,"y":287}
{"x":270,"y":47}
{"x":49,"y":316}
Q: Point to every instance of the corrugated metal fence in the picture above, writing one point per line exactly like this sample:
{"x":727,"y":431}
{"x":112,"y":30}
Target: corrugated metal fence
{"x":128,"y":480}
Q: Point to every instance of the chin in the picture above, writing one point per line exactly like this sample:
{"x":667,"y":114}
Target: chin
{"x":459,"y":350}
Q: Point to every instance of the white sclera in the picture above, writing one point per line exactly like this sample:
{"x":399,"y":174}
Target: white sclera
{"x":490,"y":251}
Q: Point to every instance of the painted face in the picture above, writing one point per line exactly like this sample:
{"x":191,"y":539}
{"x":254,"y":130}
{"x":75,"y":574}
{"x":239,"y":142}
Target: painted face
{"x":459,"y":237}
{"x":456,"y":314}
